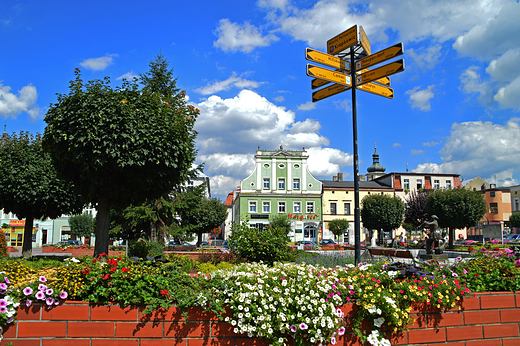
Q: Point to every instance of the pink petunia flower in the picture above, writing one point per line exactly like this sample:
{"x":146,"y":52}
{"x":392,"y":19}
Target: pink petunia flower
{"x":27,"y":291}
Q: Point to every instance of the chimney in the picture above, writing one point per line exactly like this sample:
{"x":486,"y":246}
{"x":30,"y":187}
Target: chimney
{"x":334,"y":178}
{"x":340,"y":176}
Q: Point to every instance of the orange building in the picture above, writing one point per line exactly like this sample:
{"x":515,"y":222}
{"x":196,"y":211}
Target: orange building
{"x":498,"y":202}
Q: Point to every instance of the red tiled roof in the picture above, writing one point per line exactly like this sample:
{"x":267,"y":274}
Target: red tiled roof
{"x":456,"y":182}
{"x":397,"y":182}
{"x":229,"y":200}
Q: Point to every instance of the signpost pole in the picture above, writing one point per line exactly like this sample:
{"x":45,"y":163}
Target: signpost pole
{"x":357,"y":214}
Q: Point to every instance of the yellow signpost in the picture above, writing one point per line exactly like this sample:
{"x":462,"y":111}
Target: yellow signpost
{"x":376,"y":89}
{"x":380,"y":72}
{"x":365,"y":43}
{"x":381,"y":56}
{"x":331,"y":76}
{"x":342,"y":41}
{"x":326,"y":59}
{"x":329,"y":91}
{"x":357,"y":77}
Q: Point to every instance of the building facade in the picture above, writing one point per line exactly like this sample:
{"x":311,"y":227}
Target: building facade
{"x":281,"y":184}
{"x":498,"y":202}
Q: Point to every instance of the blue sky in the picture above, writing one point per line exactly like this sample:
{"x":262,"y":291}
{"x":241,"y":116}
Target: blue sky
{"x":242,"y":63}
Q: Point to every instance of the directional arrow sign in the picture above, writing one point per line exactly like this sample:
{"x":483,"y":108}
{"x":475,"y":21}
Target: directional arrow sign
{"x":331,"y":76}
{"x":329,"y":91}
{"x":316,"y":83}
{"x":380,"y":72}
{"x":384,"y":81}
{"x":342,"y":41}
{"x":379,"y":57}
{"x":377,"y":89}
{"x":326,"y":59}
{"x":365,"y":43}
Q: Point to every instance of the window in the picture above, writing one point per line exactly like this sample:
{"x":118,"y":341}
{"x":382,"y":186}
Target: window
{"x":436,"y":184}
{"x":281,"y":184}
{"x":492,"y":194}
{"x":419,"y":184}
{"x":310,"y":207}
{"x":297,"y":207}
{"x":266,"y":207}
{"x":406,"y":184}
{"x":493,"y":208}
{"x":296,"y":184}
{"x":333,"y":208}
{"x":281,"y":166}
{"x":516,"y":205}
{"x":252,"y":207}
{"x":266,"y":183}
{"x":346,"y":208}
{"x":448,"y":184}
{"x":281,"y":207}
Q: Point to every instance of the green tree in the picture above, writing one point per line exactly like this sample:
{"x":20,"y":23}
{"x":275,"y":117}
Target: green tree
{"x":416,"y":208}
{"x":514,"y":220}
{"x":382,"y":212}
{"x":280,"y":222}
{"x":121,"y":146}
{"x":29,"y":185}
{"x":338,"y":227}
{"x":81,"y":225}
{"x":268,"y":245}
{"x":456,"y":208}
{"x":209,"y":214}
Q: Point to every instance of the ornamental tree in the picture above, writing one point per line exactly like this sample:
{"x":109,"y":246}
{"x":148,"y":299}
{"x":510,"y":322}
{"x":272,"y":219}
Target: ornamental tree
{"x":382,"y":212}
{"x":29,"y":184}
{"x":81,"y":225}
{"x":121,"y":146}
{"x":416,"y":208}
{"x":514,"y":220}
{"x":456,"y":208}
{"x":338,"y":227}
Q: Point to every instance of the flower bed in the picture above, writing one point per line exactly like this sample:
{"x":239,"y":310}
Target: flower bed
{"x":486,"y":319}
{"x":77,"y":251}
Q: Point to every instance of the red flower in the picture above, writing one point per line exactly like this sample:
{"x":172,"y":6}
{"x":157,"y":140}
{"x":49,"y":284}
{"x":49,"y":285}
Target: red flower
{"x":106,"y":277}
{"x":113,"y":269}
{"x":124,"y":269}
{"x":165,"y":293}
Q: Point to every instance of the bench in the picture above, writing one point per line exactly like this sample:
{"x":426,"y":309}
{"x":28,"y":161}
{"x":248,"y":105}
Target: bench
{"x":390,"y":253}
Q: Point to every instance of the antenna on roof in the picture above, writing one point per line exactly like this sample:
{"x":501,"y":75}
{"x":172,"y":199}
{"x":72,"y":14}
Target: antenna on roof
{"x":406,"y":168}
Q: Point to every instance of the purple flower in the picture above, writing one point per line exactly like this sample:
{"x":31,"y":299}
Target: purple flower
{"x":63,"y":295}
{"x":42,"y":287}
{"x":341,"y":331}
{"x":28,"y":302}
{"x":27,"y":291}
{"x":303,"y":326}
{"x":333,"y":341}
{"x":3,"y":309}
{"x":40,"y":295}
{"x":56,"y":301}
{"x":43,"y":279}
{"x":3,"y":302}
{"x":49,"y":291}
{"x":7,"y":280}
{"x":10,"y":320}
{"x":49,"y":301}
{"x":294,"y":328}
{"x":454,"y":275}
{"x":3,"y":286}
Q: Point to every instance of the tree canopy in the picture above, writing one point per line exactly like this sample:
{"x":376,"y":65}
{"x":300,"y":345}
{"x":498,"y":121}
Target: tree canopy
{"x":81,"y":225}
{"x":382,"y":212}
{"x":456,"y":208}
{"x":124,"y":145}
{"x":29,"y":185}
{"x":338,"y":227}
{"x":514,"y":220}
{"x":416,"y":208}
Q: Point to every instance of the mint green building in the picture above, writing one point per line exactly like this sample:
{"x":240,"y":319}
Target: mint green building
{"x":281,"y":184}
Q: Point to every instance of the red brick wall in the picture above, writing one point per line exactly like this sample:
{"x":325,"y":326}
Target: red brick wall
{"x":485,"y":320}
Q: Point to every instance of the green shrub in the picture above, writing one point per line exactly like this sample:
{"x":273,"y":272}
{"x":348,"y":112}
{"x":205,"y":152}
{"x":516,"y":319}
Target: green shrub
{"x":182,"y":262}
{"x":206,"y":267}
{"x":268,"y":245}
{"x":142,"y":248}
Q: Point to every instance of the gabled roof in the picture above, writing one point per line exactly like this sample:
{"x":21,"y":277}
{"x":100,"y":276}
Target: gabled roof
{"x":229,"y":200}
{"x":372,"y":184}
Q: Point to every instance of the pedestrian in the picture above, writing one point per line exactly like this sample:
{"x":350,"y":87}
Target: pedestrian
{"x":403,"y":239}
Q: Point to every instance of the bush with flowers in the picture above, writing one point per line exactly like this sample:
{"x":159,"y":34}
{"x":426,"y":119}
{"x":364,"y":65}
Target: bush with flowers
{"x":3,"y":245}
{"x":301,"y":301}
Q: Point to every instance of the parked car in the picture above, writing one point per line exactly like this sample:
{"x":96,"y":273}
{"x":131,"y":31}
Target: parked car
{"x":70,"y":242}
{"x":225,"y":244}
{"x":512,"y":237}
{"x":204,"y":243}
{"x":327,"y":242}
{"x":305,"y":243}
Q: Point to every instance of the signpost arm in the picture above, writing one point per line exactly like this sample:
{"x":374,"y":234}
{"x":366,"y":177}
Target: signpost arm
{"x":357,"y":214}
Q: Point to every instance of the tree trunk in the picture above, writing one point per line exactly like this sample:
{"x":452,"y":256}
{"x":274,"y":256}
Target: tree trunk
{"x":153,"y":231}
{"x":451,"y":235}
{"x":102,"y":226}
{"x":27,"y":237}
{"x":199,"y":239}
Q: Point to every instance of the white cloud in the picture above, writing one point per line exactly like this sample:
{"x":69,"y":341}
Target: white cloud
{"x":233,"y":81}
{"x":230,"y":130}
{"x":345,"y":104}
{"x":421,"y":98}
{"x":279,"y":98}
{"x":12,"y":105}
{"x":221,"y":185}
{"x":98,"y":64}
{"x":244,"y":38}
{"x":431,"y":144}
{"x":129,"y":76}
{"x":482,"y":149}
{"x":396,"y":145}
{"x":508,"y":96}
{"x":471,"y":83}
{"x":417,"y":152}
{"x":506,"y":67}
{"x":307,"y":106}
{"x":426,"y":57}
